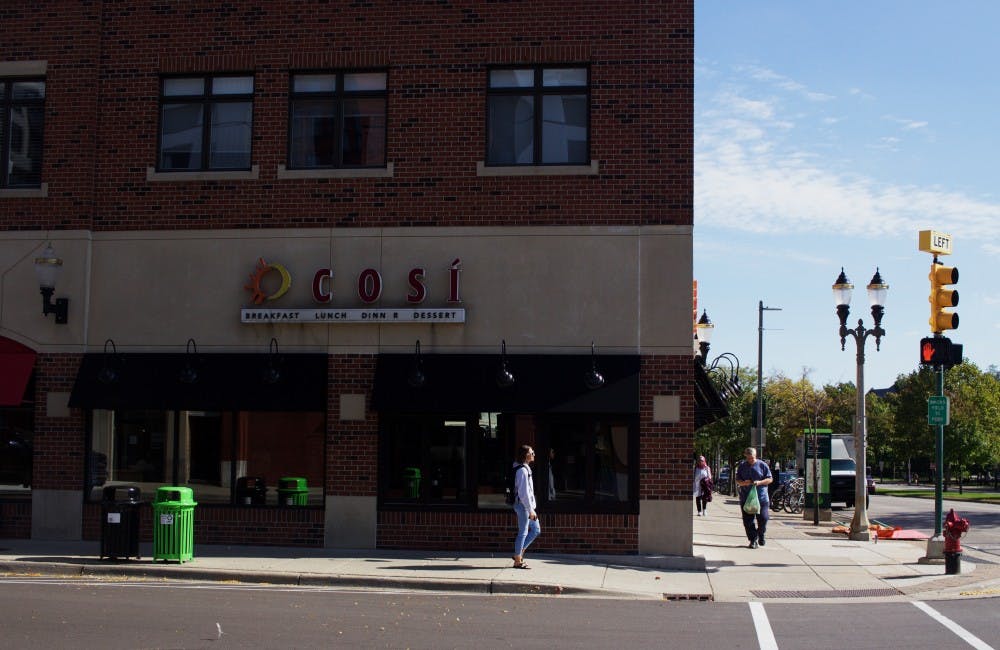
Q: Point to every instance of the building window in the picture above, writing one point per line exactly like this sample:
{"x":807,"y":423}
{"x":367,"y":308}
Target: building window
{"x":538,"y":116}
{"x":589,"y":461}
{"x":337,"y":120}
{"x":205,"y":123}
{"x":206,"y":451}
{"x":583,"y":463}
{"x":22,"y":117}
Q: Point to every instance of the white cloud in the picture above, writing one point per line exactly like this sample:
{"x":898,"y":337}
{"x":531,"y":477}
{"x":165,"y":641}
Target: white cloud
{"x":749,"y":178}
{"x":759,"y":73}
{"x":905,"y":123}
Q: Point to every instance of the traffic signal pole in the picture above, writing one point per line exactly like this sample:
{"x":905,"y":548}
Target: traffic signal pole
{"x":940,"y":353}
{"x":938,"y":483}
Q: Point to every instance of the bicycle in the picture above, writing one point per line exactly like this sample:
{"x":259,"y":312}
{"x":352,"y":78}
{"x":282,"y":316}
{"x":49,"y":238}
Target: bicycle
{"x":795,"y":496}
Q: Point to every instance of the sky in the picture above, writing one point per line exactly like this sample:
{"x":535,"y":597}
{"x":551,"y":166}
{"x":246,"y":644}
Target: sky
{"x":827,"y":135}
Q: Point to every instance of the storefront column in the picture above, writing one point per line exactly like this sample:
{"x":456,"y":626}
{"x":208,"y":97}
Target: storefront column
{"x":351,"y":454}
{"x":59,"y":446}
{"x":666,"y":442}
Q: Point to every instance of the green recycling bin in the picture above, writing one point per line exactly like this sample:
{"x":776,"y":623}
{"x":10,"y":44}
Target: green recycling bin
{"x":292,"y":491}
{"x":173,"y":524}
{"x":411,"y":482}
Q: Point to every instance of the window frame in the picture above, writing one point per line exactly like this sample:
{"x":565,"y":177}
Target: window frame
{"x":538,"y":91}
{"x":339,"y":95}
{"x":7,"y":103}
{"x":207,"y":100}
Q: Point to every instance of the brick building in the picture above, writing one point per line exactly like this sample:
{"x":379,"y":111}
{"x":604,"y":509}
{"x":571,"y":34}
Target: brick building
{"x":372,"y":245}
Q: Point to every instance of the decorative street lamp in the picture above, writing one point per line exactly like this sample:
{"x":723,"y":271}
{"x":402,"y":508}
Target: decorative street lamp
{"x":703,"y":333}
{"x":703,"y":337}
{"x":877,"y":290}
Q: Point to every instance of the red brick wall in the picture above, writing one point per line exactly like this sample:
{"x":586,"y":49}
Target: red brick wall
{"x":58,"y":442}
{"x":640,"y":53}
{"x":665,"y":449}
{"x":67,"y":36}
{"x":351,"y":446}
{"x":494,"y":532}
{"x":15,"y":519}
{"x":230,"y":525}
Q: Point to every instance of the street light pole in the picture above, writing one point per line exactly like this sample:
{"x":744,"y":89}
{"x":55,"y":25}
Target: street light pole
{"x":877,"y":290}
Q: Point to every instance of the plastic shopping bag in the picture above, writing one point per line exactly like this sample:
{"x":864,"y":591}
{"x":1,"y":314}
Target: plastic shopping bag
{"x":752,"y":505}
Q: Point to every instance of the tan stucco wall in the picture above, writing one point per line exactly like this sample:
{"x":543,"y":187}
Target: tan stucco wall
{"x":544,"y":289}
{"x":666,"y":528}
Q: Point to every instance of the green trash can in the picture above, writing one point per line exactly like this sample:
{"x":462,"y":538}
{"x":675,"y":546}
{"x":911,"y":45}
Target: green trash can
{"x":173,"y":524}
{"x":411,"y":482}
{"x":292,"y":491}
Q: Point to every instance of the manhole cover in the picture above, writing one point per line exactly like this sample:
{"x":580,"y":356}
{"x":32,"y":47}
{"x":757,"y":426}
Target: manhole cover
{"x":826,"y":593}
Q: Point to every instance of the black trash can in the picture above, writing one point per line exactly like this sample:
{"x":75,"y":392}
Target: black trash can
{"x":251,"y":491}
{"x":120,"y":522}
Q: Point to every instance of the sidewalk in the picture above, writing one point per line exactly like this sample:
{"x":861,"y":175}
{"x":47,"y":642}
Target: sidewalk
{"x":800,"y":561}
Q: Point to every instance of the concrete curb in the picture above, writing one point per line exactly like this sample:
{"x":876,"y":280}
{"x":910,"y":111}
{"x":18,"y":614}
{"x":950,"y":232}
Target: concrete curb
{"x":194,"y":574}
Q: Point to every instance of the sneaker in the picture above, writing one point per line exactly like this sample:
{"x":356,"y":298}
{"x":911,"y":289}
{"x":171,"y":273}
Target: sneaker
{"x":760,"y":540}
{"x":752,"y":545}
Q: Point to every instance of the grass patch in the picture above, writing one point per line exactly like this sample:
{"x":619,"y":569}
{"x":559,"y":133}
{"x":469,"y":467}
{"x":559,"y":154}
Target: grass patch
{"x":953,"y":495}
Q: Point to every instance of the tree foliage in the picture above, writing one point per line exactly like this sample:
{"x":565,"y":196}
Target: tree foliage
{"x":896,"y":423}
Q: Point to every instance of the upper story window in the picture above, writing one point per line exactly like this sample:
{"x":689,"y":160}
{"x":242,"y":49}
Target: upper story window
{"x":337,"y":120}
{"x":538,"y":116}
{"x":205,"y":123}
{"x":22,"y":116}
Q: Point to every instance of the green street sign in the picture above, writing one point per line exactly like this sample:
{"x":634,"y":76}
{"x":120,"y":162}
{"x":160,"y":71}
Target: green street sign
{"x":938,"y":410}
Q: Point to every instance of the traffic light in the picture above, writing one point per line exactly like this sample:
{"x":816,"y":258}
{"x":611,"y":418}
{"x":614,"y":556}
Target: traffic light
{"x":941,"y":298}
{"x":940,"y":351}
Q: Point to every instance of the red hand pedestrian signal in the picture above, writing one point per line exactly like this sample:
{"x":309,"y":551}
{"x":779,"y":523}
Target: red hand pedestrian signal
{"x":927,"y":352}
{"x":940,"y":351}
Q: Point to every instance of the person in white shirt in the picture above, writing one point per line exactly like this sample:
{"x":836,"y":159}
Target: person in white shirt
{"x":524,"y":505}
{"x":701,"y":495}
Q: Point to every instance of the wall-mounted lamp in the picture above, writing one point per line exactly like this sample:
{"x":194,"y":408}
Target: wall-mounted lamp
{"x":47,"y":268}
{"x":417,"y":378}
{"x":272,"y":372}
{"x":592,"y":378}
{"x":504,"y":377}
{"x":108,"y":374}
{"x":189,"y":373}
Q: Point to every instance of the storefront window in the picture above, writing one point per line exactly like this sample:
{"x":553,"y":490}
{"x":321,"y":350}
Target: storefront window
{"x":582,"y":463}
{"x":17,"y":425}
{"x":588,"y":460}
{"x":208,"y":451}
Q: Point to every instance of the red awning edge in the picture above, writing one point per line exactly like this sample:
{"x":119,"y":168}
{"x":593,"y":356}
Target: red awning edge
{"x":16,"y":364}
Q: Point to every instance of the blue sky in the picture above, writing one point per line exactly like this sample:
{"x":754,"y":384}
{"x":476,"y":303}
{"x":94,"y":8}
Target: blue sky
{"x":828,"y":134}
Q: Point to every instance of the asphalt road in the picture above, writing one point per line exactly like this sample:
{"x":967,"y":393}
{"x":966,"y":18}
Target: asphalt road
{"x":918,"y":514}
{"x":50,"y":614}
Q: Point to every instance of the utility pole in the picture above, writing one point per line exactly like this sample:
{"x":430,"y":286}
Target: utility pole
{"x":760,"y":373}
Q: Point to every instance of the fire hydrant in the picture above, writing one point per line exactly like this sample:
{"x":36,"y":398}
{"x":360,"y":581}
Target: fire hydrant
{"x":954,"y":528}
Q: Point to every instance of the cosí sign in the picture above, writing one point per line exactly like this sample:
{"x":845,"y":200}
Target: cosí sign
{"x":369,"y":291}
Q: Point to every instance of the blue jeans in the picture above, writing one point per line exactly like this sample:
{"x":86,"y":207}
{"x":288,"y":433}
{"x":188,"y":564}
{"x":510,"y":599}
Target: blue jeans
{"x":527,"y":530}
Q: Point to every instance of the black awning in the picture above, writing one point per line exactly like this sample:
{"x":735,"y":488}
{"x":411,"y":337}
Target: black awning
{"x":544,"y":383}
{"x":709,"y":406}
{"x":221,"y":382}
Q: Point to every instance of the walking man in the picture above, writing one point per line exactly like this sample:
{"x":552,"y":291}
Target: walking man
{"x":753,"y":474}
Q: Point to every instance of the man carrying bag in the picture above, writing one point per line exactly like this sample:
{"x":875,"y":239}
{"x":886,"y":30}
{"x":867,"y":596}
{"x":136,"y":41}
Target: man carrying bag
{"x":753,"y":476}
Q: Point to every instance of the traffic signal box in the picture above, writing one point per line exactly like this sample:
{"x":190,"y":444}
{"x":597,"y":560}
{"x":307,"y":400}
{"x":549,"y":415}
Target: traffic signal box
{"x":942,"y":298}
{"x":940,"y":351}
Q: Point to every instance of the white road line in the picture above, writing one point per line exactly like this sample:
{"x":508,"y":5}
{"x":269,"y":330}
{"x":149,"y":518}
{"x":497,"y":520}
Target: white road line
{"x":765,"y":637}
{"x":962,"y":633}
